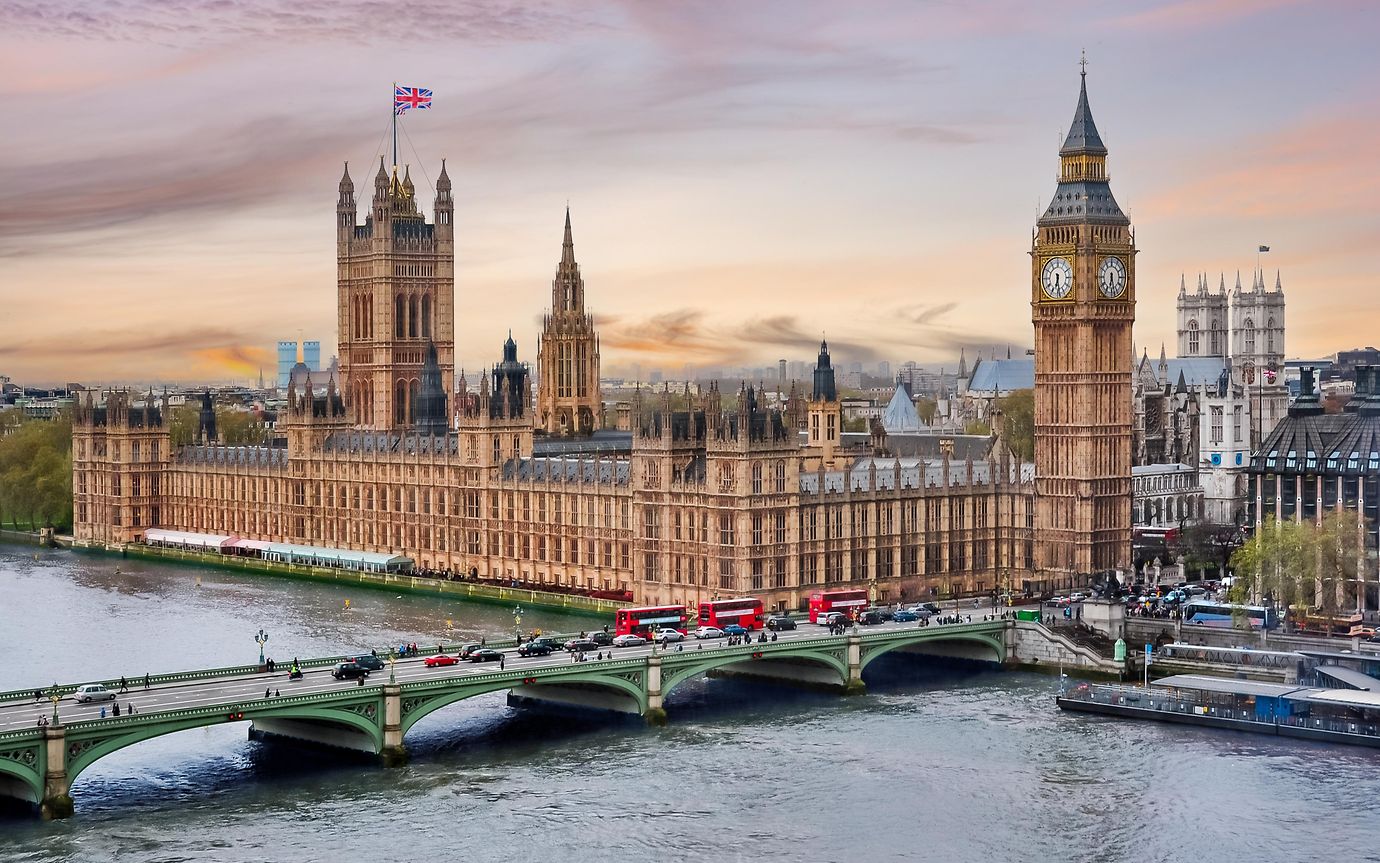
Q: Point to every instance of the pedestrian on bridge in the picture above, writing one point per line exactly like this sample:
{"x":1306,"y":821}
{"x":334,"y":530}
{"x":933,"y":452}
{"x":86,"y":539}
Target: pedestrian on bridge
{"x":146,"y":680}
{"x":124,"y":685}
{"x":502,"y":660}
{"x":117,"y":708}
{"x":38,"y":695}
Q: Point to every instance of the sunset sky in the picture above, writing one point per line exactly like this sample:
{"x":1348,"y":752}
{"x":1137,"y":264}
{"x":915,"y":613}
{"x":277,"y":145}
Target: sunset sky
{"x":741,"y":175}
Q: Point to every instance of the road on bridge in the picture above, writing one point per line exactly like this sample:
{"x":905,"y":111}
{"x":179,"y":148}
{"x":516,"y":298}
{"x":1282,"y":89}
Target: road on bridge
{"x":21,"y":714}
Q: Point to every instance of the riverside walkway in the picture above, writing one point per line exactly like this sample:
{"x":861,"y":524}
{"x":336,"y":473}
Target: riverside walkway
{"x":39,"y":762}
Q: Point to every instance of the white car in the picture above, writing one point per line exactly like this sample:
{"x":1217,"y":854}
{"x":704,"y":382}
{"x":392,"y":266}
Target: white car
{"x":666,"y":636}
{"x":832,"y":618}
{"x":709,"y":632}
{"x":92,"y":692}
{"x":628,"y":640}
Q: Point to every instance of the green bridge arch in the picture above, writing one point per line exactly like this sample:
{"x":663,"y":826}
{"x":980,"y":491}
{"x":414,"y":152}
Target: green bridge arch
{"x":418,"y":701}
{"x":87,"y":746}
{"x":879,"y":646}
{"x":23,"y":762}
{"x":676,"y":670}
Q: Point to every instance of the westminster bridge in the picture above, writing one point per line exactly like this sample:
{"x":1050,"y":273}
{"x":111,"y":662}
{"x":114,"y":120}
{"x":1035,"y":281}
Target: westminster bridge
{"x":46,"y":743}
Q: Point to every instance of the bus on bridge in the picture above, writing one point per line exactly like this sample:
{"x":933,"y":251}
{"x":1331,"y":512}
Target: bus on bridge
{"x":645,"y":621}
{"x":747,"y":612}
{"x":848,"y":602}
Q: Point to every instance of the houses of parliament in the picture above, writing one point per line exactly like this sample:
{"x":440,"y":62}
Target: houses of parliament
{"x":711,"y":493}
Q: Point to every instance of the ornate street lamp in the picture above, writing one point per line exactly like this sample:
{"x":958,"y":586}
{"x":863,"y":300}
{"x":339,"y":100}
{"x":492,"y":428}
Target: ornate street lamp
{"x":517,"y":622}
{"x":261,"y":639}
{"x":55,"y":695}
{"x":392,"y":660}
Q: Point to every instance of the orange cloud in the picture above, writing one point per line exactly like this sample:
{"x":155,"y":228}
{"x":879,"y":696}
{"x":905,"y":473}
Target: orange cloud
{"x":1323,"y":166}
{"x":238,"y":361}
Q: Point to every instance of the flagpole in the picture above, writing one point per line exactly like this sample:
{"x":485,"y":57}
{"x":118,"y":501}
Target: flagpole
{"x":394,"y":100}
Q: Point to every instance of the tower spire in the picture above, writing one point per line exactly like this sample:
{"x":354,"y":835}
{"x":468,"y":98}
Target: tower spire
{"x":567,"y":244}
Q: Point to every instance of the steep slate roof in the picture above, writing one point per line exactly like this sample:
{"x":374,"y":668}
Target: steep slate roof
{"x":1083,"y":136}
{"x":1003,"y":376}
{"x":900,"y":416}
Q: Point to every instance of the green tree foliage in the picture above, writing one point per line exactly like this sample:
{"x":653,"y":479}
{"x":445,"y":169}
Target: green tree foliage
{"x":1207,"y":546}
{"x":36,"y":473}
{"x":1300,"y":565}
{"x":926,"y":408}
{"x":856,"y":424}
{"x":1018,"y":422}
{"x":182,"y":424}
{"x":233,"y":426}
{"x":977,"y":427}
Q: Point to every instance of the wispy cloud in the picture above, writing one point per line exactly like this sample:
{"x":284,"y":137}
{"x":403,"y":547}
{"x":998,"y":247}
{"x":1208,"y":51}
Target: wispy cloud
{"x":1198,"y":14}
{"x":192,"y":22}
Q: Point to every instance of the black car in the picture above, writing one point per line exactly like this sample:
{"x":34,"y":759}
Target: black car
{"x":535,"y":648}
{"x":601,"y":638}
{"x":369,"y":662}
{"x":349,"y":671}
{"x":575,"y":644}
{"x":931,"y":607}
{"x":780,"y":624}
{"x":485,"y":654}
{"x":871,"y":617}
{"x":468,"y":649}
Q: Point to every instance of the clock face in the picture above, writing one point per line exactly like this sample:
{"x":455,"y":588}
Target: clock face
{"x":1057,"y":278}
{"x":1111,"y":278}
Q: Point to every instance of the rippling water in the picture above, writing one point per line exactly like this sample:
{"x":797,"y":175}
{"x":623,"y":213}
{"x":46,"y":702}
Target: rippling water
{"x":936,"y":763}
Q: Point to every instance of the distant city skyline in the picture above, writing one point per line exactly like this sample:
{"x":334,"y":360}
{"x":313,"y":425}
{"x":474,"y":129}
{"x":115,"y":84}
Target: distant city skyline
{"x":736,"y":189}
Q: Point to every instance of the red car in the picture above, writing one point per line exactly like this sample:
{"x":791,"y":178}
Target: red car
{"x":439,"y":660}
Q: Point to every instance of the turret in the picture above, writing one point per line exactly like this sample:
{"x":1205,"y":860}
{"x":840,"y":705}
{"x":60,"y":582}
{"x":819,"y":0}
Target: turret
{"x":345,"y":208}
{"x":445,"y":206}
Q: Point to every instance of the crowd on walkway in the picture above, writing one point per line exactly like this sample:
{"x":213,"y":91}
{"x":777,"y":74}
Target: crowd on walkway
{"x":474,"y":577}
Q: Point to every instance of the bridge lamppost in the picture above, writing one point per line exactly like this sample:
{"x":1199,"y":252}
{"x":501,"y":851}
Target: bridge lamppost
{"x":392,"y":660}
{"x":517,"y":622}
{"x":261,"y":639}
{"x":55,"y":695}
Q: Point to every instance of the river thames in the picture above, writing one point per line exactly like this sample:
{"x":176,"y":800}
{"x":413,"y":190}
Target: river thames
{"x":936,"y":763}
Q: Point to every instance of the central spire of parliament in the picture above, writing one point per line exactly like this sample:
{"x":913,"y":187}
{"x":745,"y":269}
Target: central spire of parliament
{"x":568,"y":400}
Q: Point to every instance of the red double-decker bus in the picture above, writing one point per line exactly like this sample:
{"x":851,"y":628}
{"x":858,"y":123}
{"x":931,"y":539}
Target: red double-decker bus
{"x":747,"y":612}
{"x":849,"y":602}
{"x":645,"y":621}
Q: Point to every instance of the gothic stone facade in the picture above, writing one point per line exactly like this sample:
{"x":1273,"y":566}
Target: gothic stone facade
{"x":715,"y":498}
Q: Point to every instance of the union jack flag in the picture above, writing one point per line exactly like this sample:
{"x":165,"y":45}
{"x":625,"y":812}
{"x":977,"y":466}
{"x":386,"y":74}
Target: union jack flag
{"x":410,"y":97}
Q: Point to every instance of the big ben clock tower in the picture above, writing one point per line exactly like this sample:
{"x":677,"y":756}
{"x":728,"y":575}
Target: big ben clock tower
{"x":1083,"y":303}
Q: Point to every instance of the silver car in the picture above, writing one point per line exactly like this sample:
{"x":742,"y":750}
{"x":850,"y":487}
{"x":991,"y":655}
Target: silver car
{"x":92,"y":692}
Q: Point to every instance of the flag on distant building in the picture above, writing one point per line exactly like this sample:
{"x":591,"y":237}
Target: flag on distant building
{"x":1262,"y":248}
{"x":1270,"y":376}
{"x":410,"y":97}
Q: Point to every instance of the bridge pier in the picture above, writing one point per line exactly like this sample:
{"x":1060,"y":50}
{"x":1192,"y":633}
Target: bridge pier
{"x":57,"y":796}
{"x":394,"y":753}
{"x":656,"y":712}
{"x":854,"y":685}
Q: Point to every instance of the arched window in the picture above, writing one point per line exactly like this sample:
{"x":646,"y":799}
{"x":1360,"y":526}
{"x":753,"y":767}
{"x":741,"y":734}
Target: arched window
{"x":399,"y":316}
{"x":757,"y":477}
{"x":426,"y":317}
{"x":1216,"y":335}
{"x":1193,"y":338}
{"x":413,"y":388}
{"x":1249,"y":327}
{"x":400,"y":402}
{"x":412,"y":317}
{"x":1270,"y":335}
